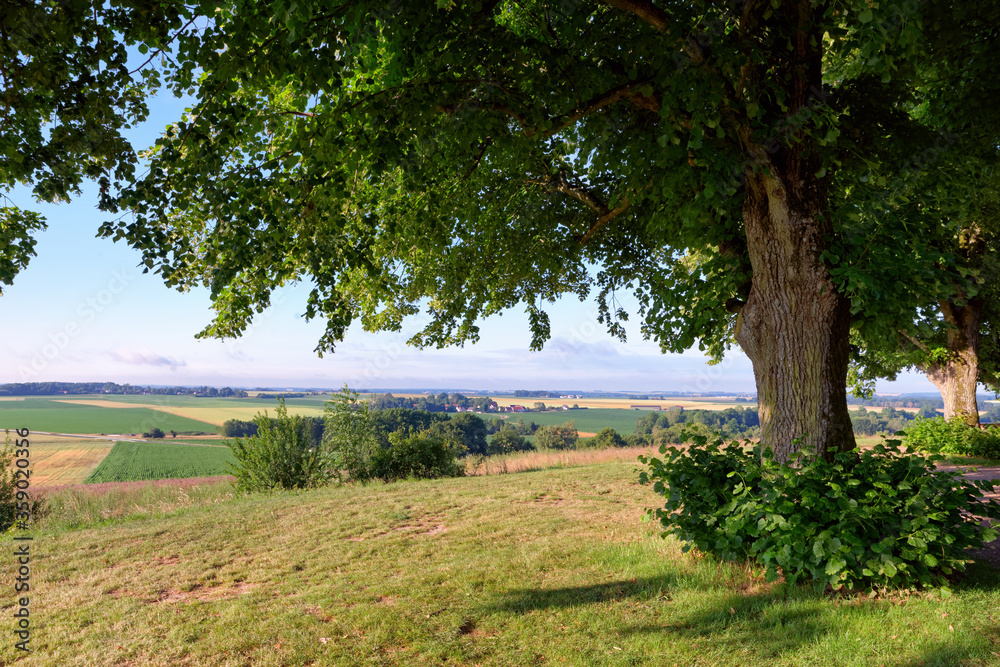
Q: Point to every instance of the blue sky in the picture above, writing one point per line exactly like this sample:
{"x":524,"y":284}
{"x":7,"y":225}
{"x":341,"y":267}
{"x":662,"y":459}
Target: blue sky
{"x":83,"y":311}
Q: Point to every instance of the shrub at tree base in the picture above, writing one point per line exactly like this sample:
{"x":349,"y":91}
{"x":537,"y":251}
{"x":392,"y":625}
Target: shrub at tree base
{"x":953,"y":436}
{"x":423,"y":456}
{"x":878,"y":518}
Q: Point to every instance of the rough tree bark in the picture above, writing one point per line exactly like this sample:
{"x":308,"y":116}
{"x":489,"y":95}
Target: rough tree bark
{"x":794,"y":325}
{"x":957,"y":376}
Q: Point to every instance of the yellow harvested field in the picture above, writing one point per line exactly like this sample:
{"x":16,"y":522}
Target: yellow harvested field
{"x":101,"y":403}
{"x":209,"y":414}
{"x":55,"y":460}
{"x":218,"y":415}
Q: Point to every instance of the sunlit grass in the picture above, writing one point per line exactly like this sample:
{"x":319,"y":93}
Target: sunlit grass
{"x":547,"y":567}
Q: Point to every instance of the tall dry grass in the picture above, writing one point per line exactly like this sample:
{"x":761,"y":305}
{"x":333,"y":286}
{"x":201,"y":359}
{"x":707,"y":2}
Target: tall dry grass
{"x":81,"y":505}
{"x":542,"y":460}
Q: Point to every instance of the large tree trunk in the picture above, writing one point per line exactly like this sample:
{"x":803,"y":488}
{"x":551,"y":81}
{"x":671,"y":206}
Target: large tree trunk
{"x":794,"y":325}
{"x":957,"y":376}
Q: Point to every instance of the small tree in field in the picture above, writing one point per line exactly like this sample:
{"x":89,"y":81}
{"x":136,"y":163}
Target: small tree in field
{"x":282,"y":455}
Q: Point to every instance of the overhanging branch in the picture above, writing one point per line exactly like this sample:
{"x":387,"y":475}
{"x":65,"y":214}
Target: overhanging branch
{"x":645,"y":10}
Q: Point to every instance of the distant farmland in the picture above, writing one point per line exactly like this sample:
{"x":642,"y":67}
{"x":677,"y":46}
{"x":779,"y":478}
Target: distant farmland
{"x":56,"y":416}
{"x":137,"y":414}
{"x":56,"y":460}
{"x":140,"y":461}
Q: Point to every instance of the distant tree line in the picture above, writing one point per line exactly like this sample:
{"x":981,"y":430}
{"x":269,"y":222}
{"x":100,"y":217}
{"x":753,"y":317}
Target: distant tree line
{"x":666,"y":427}
{"x":56,"y":388}
{"x":532,"y":393}
{"x":442,"y":402}
{"x":896,"y":402}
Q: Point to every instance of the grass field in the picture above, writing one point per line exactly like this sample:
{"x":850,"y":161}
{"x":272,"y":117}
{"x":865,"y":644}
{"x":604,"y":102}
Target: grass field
{"x":50,"y":414}
{"x":55,"y":460}
{"x":137,"y":461}
{"x":542,"y":568}
{"x":137,"y":414}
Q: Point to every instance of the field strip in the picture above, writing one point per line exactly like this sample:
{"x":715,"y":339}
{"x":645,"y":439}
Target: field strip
{"x":210,"y":415}
{"x":101,"y":403}
{"x":65,"y":460}
{"x":11,"y":398}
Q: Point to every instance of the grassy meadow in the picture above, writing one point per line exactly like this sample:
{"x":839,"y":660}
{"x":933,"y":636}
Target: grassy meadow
{"x":547,"y":567}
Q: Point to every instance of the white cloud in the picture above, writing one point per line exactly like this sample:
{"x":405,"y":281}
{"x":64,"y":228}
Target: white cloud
{"x":144,"y":357}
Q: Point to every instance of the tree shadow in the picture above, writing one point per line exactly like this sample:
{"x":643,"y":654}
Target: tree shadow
{"x":763,"y":623}
{"x":531,"y":599}
{"x":745,"y":627}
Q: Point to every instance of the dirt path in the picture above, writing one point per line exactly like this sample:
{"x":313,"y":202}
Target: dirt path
{"x":991,"y":552}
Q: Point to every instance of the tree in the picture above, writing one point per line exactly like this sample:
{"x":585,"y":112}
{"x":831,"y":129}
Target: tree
{"x":608,"y":437}
{"x":464,"y":429}
{"x":470,"y":157}
{"x":68,"y":94}
{"x":953,"y":335}
{"x":557,"y":437}
{"x":506,"y":441}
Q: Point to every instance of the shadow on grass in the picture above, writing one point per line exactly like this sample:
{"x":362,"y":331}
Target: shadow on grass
{"x":762,"y":625}
{"x":771,"y":626}
{"x":529,"y":599}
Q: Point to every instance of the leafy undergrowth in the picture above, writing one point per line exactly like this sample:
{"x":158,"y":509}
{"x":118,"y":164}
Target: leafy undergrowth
{"x":548,"y":567}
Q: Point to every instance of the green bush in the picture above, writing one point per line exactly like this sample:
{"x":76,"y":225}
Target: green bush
{"x":608,"y":437}
{"x":507,"y":441}
{"x":557,"y":437}
{"x":283,"y":454}
{"x":423,"y":456}
{"x":953,"y":436}
{"x":877,"y":518}
{"x":8,"y":490}
{"x":16,"y":503}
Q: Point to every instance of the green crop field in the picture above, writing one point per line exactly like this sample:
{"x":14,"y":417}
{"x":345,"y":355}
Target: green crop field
{"x":139,"y":461}
{"x":57,"y":416}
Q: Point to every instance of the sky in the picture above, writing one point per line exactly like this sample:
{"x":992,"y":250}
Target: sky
{"x":83,"y":311}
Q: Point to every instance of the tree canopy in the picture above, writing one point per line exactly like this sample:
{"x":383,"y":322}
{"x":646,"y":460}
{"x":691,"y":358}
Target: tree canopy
{"x":68,"y":97}
{"x":952,"y":329}
{"x":470,"y":157}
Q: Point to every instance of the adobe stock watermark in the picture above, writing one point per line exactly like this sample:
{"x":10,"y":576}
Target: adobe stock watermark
{"x":388,"y":354}
{"x":709,"y":376}
{"x":86,"y":312}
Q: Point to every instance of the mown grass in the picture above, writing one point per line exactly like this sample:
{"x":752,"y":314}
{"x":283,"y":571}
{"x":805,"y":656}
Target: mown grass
{"x":545,"y":567}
